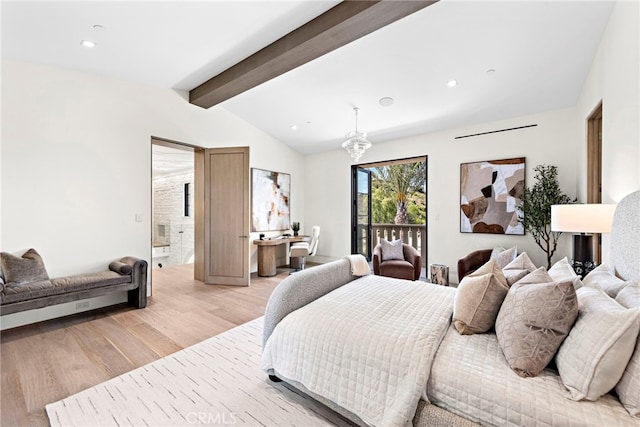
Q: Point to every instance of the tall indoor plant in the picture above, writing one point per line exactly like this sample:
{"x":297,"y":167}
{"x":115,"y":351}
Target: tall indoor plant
{"x":535,"y":208}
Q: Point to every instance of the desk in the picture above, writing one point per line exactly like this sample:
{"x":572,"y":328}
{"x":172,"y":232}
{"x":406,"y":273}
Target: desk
{"x":267,"y":253}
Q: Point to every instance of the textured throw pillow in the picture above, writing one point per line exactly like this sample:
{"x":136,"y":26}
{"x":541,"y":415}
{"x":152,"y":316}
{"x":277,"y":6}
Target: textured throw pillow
{"x":628,"y":389}
{"x":602,"y":278}
{"x":592,"y":359}
{"x":25,"y":269}
{"x":562,"y":271}
{"x":391,"y":250}
{"x":532,"y":323}
{"x":478,"y":299}
{"x":518,"y":268}
{"x":503,"y":256}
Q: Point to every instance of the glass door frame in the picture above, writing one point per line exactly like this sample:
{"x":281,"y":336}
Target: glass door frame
{"x":356,"y":227}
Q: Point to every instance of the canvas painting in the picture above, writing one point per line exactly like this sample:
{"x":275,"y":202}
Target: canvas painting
{"x":270,"y":200}
{"x":490,"y":193}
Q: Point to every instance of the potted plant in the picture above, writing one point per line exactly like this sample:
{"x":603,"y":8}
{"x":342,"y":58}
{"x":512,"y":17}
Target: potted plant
{"x":535,"y":208}
{"x":295,"y":227}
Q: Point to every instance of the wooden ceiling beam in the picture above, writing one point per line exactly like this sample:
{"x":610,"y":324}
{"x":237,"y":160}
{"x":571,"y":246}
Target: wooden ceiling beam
{"x":340,"y":25}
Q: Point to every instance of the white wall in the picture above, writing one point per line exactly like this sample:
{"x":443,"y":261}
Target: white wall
{"x":559,"y":139}
{"x":76,"y":161}
{"x":614,"y":79}
{"x":553,"y":141}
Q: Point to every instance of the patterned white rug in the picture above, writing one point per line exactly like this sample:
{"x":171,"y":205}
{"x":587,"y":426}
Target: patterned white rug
{"x":215,"y":382}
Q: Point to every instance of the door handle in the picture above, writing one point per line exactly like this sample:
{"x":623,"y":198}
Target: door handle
{"x":243,"y":237}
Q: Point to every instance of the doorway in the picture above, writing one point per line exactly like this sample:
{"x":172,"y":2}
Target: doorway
{"x":207,"y":221}
{"x":173,"y":190}
{"x":389,"y":201}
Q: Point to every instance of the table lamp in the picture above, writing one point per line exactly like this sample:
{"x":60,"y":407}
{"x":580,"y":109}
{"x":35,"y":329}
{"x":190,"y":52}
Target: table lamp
{"x":582,"y":218}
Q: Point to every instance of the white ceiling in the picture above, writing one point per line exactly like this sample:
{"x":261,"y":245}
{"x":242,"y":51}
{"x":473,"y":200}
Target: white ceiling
{"x":540,"y":51}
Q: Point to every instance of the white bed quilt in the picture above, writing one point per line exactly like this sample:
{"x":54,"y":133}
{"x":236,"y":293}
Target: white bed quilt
{"x":471,"y":378}
{"x":367,"y":346}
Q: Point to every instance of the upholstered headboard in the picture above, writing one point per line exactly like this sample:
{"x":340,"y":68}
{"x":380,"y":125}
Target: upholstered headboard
{"x":625,"y":238}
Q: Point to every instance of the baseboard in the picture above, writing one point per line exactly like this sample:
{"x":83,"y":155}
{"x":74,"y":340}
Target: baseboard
{"x":22,"y":318}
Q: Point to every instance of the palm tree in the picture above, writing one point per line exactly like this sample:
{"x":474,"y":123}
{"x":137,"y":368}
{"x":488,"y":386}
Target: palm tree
{"x":402,"y":180}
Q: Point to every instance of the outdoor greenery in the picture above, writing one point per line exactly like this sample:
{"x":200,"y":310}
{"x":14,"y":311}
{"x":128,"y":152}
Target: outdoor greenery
{"x":398,"y":194}
{"x":535,"y":208}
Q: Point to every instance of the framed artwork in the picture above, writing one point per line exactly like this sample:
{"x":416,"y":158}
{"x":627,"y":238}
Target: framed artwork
{"x":270,"y":202}
{"x":490,"y":193}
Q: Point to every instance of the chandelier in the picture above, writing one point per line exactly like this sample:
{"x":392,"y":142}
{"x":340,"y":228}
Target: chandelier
{"x":356,"y":142}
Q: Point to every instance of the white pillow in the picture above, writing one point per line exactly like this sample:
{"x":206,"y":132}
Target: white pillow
{"x":562,"y":271}
{"x":391,"y":250}
{"x":503,"y":256}
{"x":628,"y":389}
{"x":602,"y":278}
{"x":593,"y":357}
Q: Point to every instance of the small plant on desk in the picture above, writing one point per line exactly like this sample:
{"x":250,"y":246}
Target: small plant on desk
{"x":295,"y":227}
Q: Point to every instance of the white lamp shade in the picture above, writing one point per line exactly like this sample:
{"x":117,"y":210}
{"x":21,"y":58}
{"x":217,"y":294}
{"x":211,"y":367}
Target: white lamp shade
{"x":587,"y":218}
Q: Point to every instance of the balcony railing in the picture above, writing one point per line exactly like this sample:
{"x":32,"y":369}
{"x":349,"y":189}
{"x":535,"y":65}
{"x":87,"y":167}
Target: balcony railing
{"x":412,"y":234}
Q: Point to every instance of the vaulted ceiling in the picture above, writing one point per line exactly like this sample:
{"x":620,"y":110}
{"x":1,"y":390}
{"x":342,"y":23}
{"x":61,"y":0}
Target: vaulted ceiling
{"x":509,"y":58}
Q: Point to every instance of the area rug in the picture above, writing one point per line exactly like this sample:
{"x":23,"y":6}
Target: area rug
{"x":217,"y":382}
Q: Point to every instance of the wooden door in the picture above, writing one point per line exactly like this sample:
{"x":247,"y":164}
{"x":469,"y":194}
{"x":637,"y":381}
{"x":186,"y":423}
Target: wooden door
{"x":225,"y":214}
{"x":594,"y":170}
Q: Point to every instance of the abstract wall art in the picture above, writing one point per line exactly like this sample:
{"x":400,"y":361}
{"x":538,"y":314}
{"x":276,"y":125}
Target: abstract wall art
{"x":270,"y":202}
{"x":490,"y":192}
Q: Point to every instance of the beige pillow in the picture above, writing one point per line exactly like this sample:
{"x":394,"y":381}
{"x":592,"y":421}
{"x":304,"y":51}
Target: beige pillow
{"x":512,"y":276}
{"x":532,"y":323}
{"x":518,"y":268}
{"x":562,"y":271}
{"x":25,"y":269}
{"x":503,"y":256}
{"x":602,"y":278}
{"x":478,"y":299}
{"x":521,"y":262}
{"x":593,"y":357}
{"x":628,"y":389}
{"x":539,"y":275}
{"x":391,"y":250}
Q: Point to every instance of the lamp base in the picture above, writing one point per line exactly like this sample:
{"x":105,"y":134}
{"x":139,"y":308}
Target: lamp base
{"x":583,"y":247}
{"x":582,"y":268}
{"x":583,"y":254}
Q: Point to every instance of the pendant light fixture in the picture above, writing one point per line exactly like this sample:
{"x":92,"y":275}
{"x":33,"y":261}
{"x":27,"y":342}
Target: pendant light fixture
{"x":356,"y":142}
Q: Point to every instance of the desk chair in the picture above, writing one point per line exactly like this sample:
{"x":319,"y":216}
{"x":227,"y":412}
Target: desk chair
{"x":302,"y":250}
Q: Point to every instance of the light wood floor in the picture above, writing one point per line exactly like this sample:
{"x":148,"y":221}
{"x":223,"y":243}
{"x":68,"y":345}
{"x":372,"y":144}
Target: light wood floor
{"x":48,"y":361}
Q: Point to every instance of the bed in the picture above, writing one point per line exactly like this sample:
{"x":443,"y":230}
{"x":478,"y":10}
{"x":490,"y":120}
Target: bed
{"x":383,"y":351}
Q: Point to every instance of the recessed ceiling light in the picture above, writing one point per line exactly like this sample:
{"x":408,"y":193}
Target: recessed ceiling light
{"x":452,"y":83}
{"x":293,"y":127}
{"x":87,"y":43}
{"x":99,"y":27}
{"x":491,"y":71}
{"x":386,"y":101}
